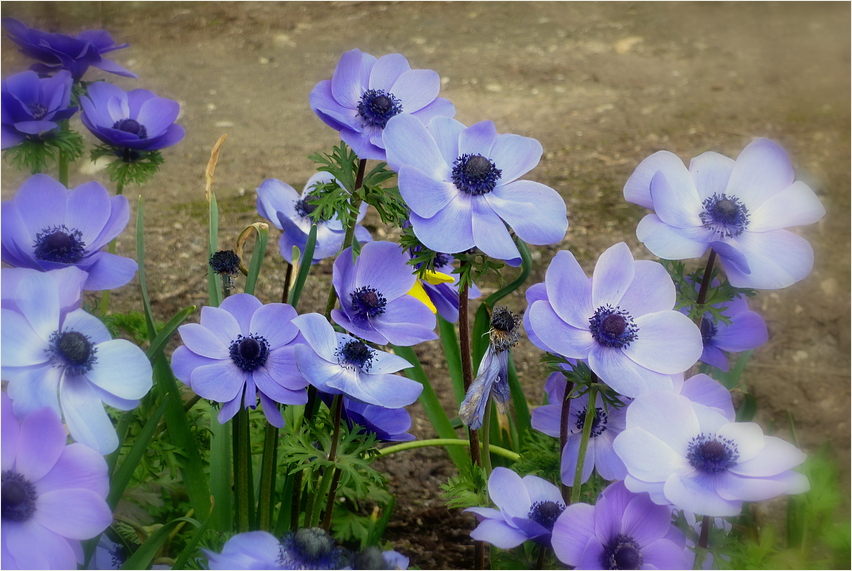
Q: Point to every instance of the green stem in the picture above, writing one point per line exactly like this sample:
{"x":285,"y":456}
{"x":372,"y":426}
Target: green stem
{"x":591,"y":411}
{"x":350,"y":231}
{"x":242,"y":478}
{"x":467,"y":366}
{"x":704,"y":539}
{"x":498,"y":450}
{"x":337,"y":411}
{"x":267,"y":478}
{"x":486,"y":437}
{"x":563,"y":432}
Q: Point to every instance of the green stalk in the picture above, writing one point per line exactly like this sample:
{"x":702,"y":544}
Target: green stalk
{"x":486,"y":436}
{"x":499,"y":451}
{"x":267,"y":478}
{"x":591,"y":411}
{"x":337,"y":411}
{"x":304,"y":268}
{"x":452,"y":354}
{"x":242,"y":477}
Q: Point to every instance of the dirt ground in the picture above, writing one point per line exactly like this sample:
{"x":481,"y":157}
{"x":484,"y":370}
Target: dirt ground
{"x":601,"y":85}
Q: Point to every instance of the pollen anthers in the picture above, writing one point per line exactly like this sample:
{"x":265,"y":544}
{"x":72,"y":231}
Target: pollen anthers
{"x":72,"y":351}
{"x":622,"y":552}
{"x":475,"y":174}
{"x":613,"y":327}
{"x":368,"y":301}
{"x":545,"y":513}
{"x":724,"y":215}
{"x":712,"y":453}
{"x":249,"y":353}
{"x":377,"y":106}
{"x":504,"y":332}
{"x":18,"y":497}
{"x":60,"y":244}
{"x":355,"y":354}
{"x":131,"y":126}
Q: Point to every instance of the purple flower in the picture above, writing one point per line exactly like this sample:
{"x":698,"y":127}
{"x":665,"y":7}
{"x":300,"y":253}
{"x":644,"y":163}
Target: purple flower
{"x":738,"y":208}
{"x":53,"y":495}
{"x":461,"y":185}
{"x":365,"y":92}
{"x":58,"y":51}
{"x":240,"y":351}
{"x":32,"y":107}
{"x":373,"y":297}
{"x":527,"y":509}
{"x":445,"y":295}
{"x":492,"y":377}
{"x":130,"y":121}
{"x":705,"y":391}
{"x":337,"y":363}
{"x":249,"y":550}
{"x":388,"y":424}
{"x":606,"y":425}
{"x":747,"y":330}
{"x":621,"y":320}
{"x":694,"y":458}
{"x":69,"y":284}
{"x":279,"y":203}
{"x":622,"y":530}
{"x":67,"y":361}
{"x":48,"y":227}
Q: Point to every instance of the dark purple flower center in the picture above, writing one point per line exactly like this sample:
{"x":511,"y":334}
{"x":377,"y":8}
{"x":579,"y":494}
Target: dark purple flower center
{"x":249,"y":353}
{"x":17,"y":497}
{"x":370,"y":558}
{"x":613,"y":327}
{"x":378,"y":106}
{"x":368,"y":301}
{"x":598,"y":422}
{"x":132,"y":126}
{"x":72,"y":352}
{"x":37,"y":110}
{"x":622,"y":552}
{"x":504,"y":329}
{"x":355,"y":354}
{"x":711,"y":453}
{"x":725,"y":215}
{"x":475,"y":174}
{"x":545,"y":513}
{"x":225,"y":262}
{"x":708,"y":329}
{"x":442,"y":260}
{"x":59,"y":244}
{"x":303,"y":206}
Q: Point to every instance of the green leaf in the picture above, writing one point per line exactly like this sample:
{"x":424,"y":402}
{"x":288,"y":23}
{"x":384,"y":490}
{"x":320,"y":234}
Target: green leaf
{"x":214,"y":285}
{"x":747,"y":409}
{"x":431,"y":405}
{"x":165,"y":334}
{"x":189,"y":550}
{"x":262,"y":232}
{"x":121,"y":477}
{"x":140,"y":260}
{"x":142,"y":557}
{"x":304,"y":267}
{"x":452,"y":353}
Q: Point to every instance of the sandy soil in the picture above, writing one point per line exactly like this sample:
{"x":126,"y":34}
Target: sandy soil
{"x":601,"y":85}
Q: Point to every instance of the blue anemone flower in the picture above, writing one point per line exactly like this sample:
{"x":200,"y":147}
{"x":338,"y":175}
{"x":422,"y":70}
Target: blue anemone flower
{"x":365,"y":93}
{"x":374,"y":301}
{"x":49,"y":227}
{"x":32,"y":106}
{"x":67,"y":360}
{"x":290,"y":212}
{"x":58,"y":51}
{"x":462,"y":186}
{"x":54,"y":495}
{"x":131,"y":121}
{"x":739,"y":208}
{"x":622,"y":320}
{"x":337,"y":363}
{"x":622,"y":530}
{"x":241,"y":351}
{"x":527,"y":508}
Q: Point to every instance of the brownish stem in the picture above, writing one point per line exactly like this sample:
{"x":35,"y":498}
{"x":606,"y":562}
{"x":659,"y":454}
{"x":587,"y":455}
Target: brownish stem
{"x":705,"y":281}
{"x":563,"y":436}
{"x":285,"y":293}
{"x":704,"y":539}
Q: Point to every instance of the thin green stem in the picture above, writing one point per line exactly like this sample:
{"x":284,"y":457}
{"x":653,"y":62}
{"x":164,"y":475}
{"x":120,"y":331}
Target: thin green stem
{"x":591,"y":411}
{"x":467,"y":366}
{"x":337,"y":412}
{"x":268,"y":471}
{"x":542,"y":552}
{"x":242,"y":479}
{"x":104,"y":305}
{"x":350,"y":231}
{"x":288,"y":275}
{"x":704,"y":538}
{"x":705,"y":281}
{"x":486,"y":437}
{"x":498,"y":450}
{"x":563,"y":433}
